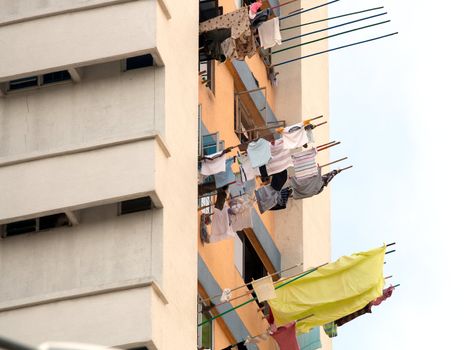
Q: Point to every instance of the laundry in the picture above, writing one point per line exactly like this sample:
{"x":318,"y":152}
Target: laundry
{"x":264,"y":173}
{"x":285,"y":336}
{"x":309,"y":133}
{"x":246,"y":170}
{"x":226,"y":177}
{"x":226,"y":296}
{"x":310,"y":340}
{"x":329,"y":176}
{"x":332,"y":291}
{"x":267,"y":198}
{"x":239,"y":48}
{"x":257,"y":339}
{"x":294,"y":136}
{"x":253,"y":9}
{"x":203,"y":229}
{"x":348,"y":318}
{"x":282,"y":199}
{"x":330,"y":329}
{"x":264,"y":288}
{"x":306,"y":187}
{"x":221,"y":196}
{"x":280,"y":158}
{"x":304,"y":163}
{"x":259,"y":152}
{"x":238,"y":21}
{"x":241,"y":217}
{"x":260,"y":18}
{"x":278,"y":180}
{"x":213,"y":164}
{"x":387,"y":293}
{"x":269,"y":33}
{"x":220,"y":226}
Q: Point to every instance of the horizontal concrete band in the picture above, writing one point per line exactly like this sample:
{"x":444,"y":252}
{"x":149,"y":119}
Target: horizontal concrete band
{"x":85,"y":292}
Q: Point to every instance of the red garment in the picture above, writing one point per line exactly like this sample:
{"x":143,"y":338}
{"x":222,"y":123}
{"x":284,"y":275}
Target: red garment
{"x":285,"y":336}
{"x":387,"y":293}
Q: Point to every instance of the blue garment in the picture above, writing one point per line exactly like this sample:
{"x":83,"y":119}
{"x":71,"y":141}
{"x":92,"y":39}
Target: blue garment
{"x":259,"y":153}
{"x":226,"y":177}
{"x":311,"y":340}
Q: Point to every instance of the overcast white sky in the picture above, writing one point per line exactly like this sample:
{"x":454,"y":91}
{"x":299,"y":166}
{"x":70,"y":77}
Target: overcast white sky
{"x":399,"y":107}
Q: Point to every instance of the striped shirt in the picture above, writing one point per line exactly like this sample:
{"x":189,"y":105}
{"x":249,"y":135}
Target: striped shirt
{"x":280,"y":158}
{"x":304,"y":163}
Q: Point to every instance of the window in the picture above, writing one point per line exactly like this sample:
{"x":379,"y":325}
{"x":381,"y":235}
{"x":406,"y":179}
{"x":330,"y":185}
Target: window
{"x":205,"y":333}
{"x":39,"y":80}
{"x":139,"y":62}
{"x":35,"y":225}
{"x":135,"y":205}
{"x":55,"y":77}
{"x":251,"y":264}
{"x":209,"y":9}
{"x":207,"y":71}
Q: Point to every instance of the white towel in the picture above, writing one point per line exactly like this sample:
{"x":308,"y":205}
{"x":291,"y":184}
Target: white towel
{"x":269,"y":33}
{"x":264,"y":288}
{"x":213,"y":166}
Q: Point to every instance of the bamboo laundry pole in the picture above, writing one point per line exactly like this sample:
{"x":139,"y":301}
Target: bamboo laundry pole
{"x":330,"y":36}
{"x":334,"y":162}
{"x":255,"y":298}
{"x":333,"y":27}
{"x":248,"y":284}
{"x":307,"y":10}
{"x":330,"y":146}
{"x":334,"y":49}
{"x":348,"y":167}
{"x":330,"y":18}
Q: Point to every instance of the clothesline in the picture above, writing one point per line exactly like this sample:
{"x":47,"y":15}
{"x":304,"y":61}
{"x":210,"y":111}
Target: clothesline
{"x":278,"y":286}
{"x":307,"y":10}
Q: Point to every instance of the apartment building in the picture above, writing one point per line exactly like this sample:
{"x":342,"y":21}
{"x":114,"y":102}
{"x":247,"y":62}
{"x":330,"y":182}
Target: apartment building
{"x":100,"y":232}
{"x":239,"y":101}
{"x":97,"y":168}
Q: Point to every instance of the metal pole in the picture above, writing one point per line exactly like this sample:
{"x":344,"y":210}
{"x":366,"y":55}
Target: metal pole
{"x":330,"y":146}
{"x":333,"y":27}
{"x":336,"y":161}
{"x":330,"y":36}
{"x":307,"y":10}
{"x":330,"y":18}
{"x":334,"y":49}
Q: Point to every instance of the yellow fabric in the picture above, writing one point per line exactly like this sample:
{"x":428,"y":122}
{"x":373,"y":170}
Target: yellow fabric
{"x":331,"y":292}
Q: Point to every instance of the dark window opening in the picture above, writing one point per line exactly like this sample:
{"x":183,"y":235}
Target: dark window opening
{"x":139,"y":62}
{"x":207,"y":70}
{"x":55,"y":77}
{"x":52,"y":221}
{"x":209,"y":9}
{"x":20,"y":227}
{"x":135,"y":205}
{"x":253,"y":266}
{"x":205,"y":332}
{"x":23,"y":83}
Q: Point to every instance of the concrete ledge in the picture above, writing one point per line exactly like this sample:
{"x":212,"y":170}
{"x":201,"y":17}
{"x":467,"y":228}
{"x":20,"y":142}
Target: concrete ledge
{"x":18,"y":159}
{"x":84,"y":292}
{"x":90,"y":5}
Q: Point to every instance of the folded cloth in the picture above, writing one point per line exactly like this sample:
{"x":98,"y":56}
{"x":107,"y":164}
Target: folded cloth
{"x":213,"y":164}
{"x":269,"y":33}
{"x":259,"y":152}
{"x":294,"y":136}
{"x":267,"y":198}
{"x":280,"y":158}
{"x":304,"y":163}
{"x":264,"y":288}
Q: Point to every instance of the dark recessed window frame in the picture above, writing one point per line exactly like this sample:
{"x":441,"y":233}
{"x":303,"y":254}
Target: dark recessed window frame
{"x":37,"y":81}
{"x":138,"y":62}
{"x":135,"y":205}
{"x":34,"y":225}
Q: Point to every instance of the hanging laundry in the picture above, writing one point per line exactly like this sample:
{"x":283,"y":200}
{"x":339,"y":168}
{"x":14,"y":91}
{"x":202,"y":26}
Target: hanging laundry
{"x":285,"y":336}
{"x":306,"y":187}
{"x":269,"y":33}
{"x":246,"y":170}
{"x":241,"y":209}
{"x":278,"y":180}
{"x":294,"y":136}
{"x":226,"y":177}
{"x":282,"y":199}
{"x":304,"y":163}
{"x":253,"y":9}
{"x":272,"y":76}
{"x":220,"y":226}
{"x":213,"y":164}
{"x":348,"y":318}
{"x":260,"y":18}
{"x":239,"y":48}
{"x":267,"y":198}
{"x":210,"y":43}
{"x":264,"y":288}
{"x":332,"y":291}
{"x":330,"y":329}
{"x":387,"y":293}
{"x":226,"y":296}
{"x":203,"y":229}
{"x":259,"y":152}
{"x":310,"y":340}
{"x":280,"y":158}
{"x":310,"y":133}
{"x":263,"y":173}
{"x":221,"y":196}
{"x":257,"y":339}
{"x":328,"y":177}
